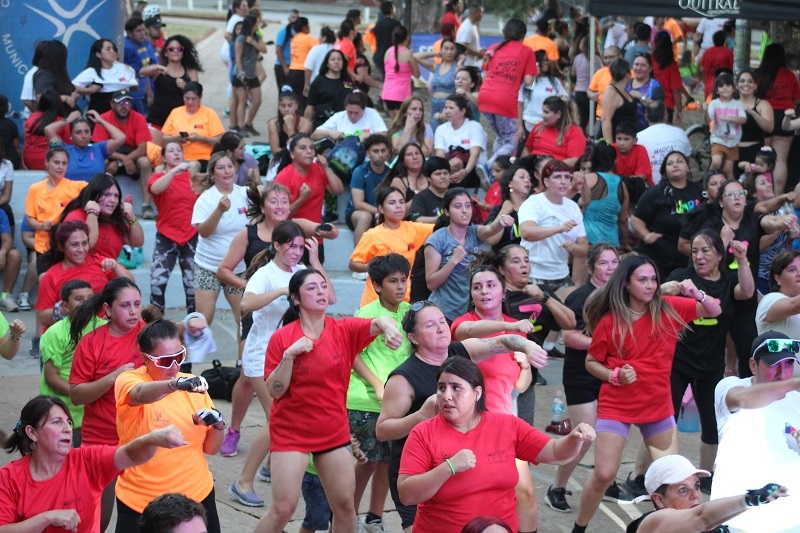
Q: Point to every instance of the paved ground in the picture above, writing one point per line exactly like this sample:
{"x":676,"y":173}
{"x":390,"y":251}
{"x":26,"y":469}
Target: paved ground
{"x":19,"y":377}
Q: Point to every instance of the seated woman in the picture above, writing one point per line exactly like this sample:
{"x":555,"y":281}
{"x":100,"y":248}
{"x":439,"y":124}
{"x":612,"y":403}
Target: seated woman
{"x":104,"y":75}
{"x":111,"y":222}
{"x":406,"y":174}
{"x":33,"y":489}
{"x":247,"y":172}
{"x":287,"y":123}
{"x":462,"y":141}
{"x":195,"y":126}
{"x":49,"y":110}
{"x":451,"y":492}
{"x":409,"y":126}
{"x":86,"y":158}
{"x":356,"y":119}
{"x":71,"y":260}
{"x":556,"y":135}
{"x":146,"y":396}
{"x":329,"y":89}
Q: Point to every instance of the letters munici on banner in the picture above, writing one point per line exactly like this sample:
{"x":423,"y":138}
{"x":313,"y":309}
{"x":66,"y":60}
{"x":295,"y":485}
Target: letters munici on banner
{"x":671,"y":8}
{"x":76,"y":23}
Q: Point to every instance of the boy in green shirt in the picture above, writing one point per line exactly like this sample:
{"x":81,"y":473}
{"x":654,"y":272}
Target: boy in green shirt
{"x":57,"y":351}
{"x":388,"y":275}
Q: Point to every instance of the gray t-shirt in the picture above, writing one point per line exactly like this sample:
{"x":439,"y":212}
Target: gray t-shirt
{"x":249,"y":57}
{"x":452,"y":295}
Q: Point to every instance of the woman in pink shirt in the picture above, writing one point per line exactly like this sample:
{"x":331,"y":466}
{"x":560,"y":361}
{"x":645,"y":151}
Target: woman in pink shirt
{"x":399,"y":65}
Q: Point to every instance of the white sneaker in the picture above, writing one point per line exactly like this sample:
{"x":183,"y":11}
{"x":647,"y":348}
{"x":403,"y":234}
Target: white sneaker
{"x":360,"y":275}
{"x":22,"y":301}
{"x":8,"y":303}
{"x":371,"y":528}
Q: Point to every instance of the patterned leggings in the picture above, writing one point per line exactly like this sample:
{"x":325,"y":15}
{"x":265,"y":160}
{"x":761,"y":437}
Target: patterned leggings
{"x":165,"y":253}
{"x":505,"y":129}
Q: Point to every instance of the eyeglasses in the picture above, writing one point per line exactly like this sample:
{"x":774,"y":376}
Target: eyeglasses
{"x":175,"y":49}
{"x":779,"y":345}
{"x":167,"y":361}
{"x":735,"y":194}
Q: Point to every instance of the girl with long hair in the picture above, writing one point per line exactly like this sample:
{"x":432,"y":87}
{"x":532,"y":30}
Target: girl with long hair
{"x":409,"y":126}
{"x":308,"y":368}
{"x":287,"y":123}
{"x":100,"y":357}
{"x":667,"y":74}
{"x":462,"y":141}
{"x":400,"y":65}
{"x":266,"y":297}
{"x":180,"y":64}
{"x":515,"y":187}
{"x":406,"y":174}
{"x":442,"y":82}
{"x":53,"y":74}
{"x":111,"y":221}
{"x":508,"y":65}
{"x":548,"y":82}
{"x":248,"y":47}
{"x":233,"y":144}
{"x":450,"y":249}
{"x":329,"y":90}
{"x":49,"y":109}
{"x":556,"y":135}
{"x":634,"y":332}
{"x":104,"y":75}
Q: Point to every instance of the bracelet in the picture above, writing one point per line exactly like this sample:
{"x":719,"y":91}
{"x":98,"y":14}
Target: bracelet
{"x":13,"y":338}
{"x":614,"y":379}
{"x":703,"y":299}
{"x":170,"y":385}
{"x":94,"y":212}
{"x":134,"y":221}
{"x":453,"y":470}
{"x":224,"y":425}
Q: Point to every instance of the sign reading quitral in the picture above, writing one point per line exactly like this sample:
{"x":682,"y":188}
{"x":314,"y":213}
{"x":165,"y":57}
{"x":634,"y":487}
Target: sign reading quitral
{"x":711,"y":8}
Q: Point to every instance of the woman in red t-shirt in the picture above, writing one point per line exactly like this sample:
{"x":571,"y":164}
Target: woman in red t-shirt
{"x":71,"y":259}
{"x":556,"y":135}
{"x":503,"y":373}
{"x":176,"y":237}
{"x":634,"y":333}
{"x":100,"y":357}
{"x":308,"y":367}
{"x":507,"y":66}
{"x":667,"y":74}
{"x":452,"y":14}
{"x":111,"y":222}
{"x":779,"y":86}
{"x":36,"y":144}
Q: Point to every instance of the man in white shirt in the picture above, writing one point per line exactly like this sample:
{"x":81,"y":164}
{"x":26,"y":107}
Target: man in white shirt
{"x":758,"y":442}
{"x":704,"y":34}
{"x":470,"y":36}
{"x":660,"y":138}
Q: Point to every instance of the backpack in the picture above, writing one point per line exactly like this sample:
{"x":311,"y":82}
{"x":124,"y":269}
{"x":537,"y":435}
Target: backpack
{"x":221,"y":380}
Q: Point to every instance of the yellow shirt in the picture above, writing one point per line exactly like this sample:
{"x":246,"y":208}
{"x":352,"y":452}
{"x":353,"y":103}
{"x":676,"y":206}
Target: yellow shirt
{"x":380,"y":240}
{"x":45,"y":204}
{"x":204,"y":122}
{"x":184,"y":469}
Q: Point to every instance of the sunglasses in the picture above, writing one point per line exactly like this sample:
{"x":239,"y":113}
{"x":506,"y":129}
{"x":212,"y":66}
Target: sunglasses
{"x":780,"y":345}
{"x":167,"y":361}
{"x":175,"y":49}
{"x":418,"y":306}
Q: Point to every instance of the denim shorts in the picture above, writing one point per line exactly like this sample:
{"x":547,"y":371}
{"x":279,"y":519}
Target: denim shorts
{"x":318,"y":512}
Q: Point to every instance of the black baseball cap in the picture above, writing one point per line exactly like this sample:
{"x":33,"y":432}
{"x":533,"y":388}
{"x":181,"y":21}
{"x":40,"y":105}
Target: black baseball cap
{"x":772,"y":347}
{"x":119,"y":96}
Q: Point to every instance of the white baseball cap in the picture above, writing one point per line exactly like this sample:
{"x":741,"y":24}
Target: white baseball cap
{"x":668,"y":470}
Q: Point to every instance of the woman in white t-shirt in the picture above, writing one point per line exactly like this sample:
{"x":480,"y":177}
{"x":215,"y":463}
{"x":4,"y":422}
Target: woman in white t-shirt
{"x":777,"y":310}
{"x":356,"y":119}
{"x":104,"y":75}
{"x":267,"y":298}
{"x":531,"y":97}
{"x":219,"y":213}
{"x":551,"y":226}
{"x":462,"y":141}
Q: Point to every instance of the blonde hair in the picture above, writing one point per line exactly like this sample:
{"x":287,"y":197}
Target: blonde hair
{"x":202,"y":182}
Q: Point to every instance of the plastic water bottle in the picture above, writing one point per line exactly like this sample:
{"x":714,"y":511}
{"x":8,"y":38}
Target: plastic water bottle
{"x":689,"y":419}
{"x":559,"y":409}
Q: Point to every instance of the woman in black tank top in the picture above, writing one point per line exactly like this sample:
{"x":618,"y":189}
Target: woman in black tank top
{"x":287,"y":123}
{"x":618,"y":105}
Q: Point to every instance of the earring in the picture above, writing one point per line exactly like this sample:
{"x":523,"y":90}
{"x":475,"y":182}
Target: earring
{"x":510,"y":189}
{"x":33,"y":445}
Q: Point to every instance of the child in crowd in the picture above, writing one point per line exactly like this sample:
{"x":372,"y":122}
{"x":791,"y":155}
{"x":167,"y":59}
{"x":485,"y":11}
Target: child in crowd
{"x":389,"y":277}
{"x":361,"y":212}
{"x":633,"y":163}
{"x":763,"y":165}
{"x":726,"y":116}
{"x":318,"y":511}
{"x":57,"y":350}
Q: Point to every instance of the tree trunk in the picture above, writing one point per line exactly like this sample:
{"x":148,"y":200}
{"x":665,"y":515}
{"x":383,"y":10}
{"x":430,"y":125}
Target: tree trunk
{"x":425,"y":15}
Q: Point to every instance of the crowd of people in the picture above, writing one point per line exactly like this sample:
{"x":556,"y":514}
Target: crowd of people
{"x":475,"y":259}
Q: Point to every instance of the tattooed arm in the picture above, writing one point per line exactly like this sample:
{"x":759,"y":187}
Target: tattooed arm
{"x":481,"y":349}
{"x":278,"y":380}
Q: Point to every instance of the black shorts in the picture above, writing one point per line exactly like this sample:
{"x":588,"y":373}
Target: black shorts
{"x":126,"y":150}
{"x":348,"y":219}
{"x":777,"y":130}
{"x":579,"y":385}
{"x":42,"y":263}
{"x":248,"y":83}
{"x":392,"y":105}
{"x":636,"y":188}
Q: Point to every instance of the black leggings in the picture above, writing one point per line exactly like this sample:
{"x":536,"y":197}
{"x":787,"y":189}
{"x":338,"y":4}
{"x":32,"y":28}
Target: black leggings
{"x":128,"y":519}
{"x":743,"y":331}
{"x":703,"y":391}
